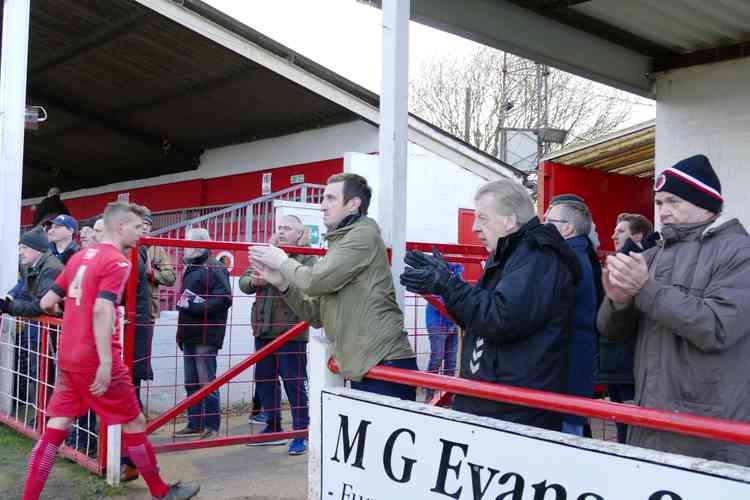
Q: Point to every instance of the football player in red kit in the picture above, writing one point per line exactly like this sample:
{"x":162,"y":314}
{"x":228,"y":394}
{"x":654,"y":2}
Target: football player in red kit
{"x":92,"y":374}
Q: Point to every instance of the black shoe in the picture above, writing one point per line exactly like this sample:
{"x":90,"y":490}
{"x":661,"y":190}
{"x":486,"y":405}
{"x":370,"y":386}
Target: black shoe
{"x":188,"y":432}
{"x":179,"y":491}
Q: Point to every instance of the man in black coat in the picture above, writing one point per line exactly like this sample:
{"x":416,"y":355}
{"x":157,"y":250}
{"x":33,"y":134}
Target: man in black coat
{"x":518,"y":317}
{"x":201,"y":325}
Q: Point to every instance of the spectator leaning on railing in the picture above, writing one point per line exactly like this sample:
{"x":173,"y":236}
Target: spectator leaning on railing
{"x":687,"y":301}
{"x":517,"y":318}
{"x":40,"y":269}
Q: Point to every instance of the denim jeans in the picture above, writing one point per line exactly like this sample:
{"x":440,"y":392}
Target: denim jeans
{"x":290,"y":363}
{"x":200,"y":369}
{"x":443,"y":346}
{"x":400,"y":391}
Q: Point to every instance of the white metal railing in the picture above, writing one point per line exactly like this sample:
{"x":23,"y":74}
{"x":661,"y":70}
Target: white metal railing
{"x":251,"y":221}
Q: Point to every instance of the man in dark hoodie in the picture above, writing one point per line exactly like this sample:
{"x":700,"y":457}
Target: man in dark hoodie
{"x":517,"y":318}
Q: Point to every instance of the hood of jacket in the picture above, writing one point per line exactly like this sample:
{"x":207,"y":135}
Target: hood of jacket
{"x":348,"y":224}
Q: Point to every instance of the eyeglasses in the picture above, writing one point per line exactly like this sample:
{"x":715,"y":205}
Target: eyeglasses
{"x":555,"y":221}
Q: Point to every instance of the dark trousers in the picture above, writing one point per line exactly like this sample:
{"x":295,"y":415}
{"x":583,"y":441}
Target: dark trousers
{"x":290,"y":363}
{"x":400,"y":391}
{"x":619,"y":393}
{"x":200,"y":369}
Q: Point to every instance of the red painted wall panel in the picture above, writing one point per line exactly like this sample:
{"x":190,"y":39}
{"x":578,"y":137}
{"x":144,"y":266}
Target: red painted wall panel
{"x":466,"y":236}
{"x":201,"y":192}
{"x":242,"y":187}
{"x":607,"y":195}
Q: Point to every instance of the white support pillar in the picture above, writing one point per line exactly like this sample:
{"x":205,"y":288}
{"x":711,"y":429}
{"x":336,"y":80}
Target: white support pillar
{"x":394,"y":100}
{"x":13,"y":64}
{"x":320,"y":378}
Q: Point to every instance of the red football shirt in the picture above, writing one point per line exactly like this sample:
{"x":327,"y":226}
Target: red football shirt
{"x":100,"y":271}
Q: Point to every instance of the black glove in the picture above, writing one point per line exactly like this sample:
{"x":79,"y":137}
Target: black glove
{"x":427,"y":275}
{"x":5,"y":305}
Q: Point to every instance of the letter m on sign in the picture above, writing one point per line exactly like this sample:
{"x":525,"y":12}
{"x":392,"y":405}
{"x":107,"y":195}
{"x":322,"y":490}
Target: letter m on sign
{"x":348,"y":444}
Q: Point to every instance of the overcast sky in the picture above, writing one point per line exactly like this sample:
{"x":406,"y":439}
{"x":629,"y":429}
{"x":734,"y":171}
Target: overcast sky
{"x":345,"y":36}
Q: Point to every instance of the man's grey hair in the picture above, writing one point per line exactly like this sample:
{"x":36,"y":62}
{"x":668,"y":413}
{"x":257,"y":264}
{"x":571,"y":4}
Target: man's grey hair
{"x":53,"y":191}
{"x":197,"y":234}
{"x":296,"y":221}
{"x":577,"y":214}
{"x":511,"y":198}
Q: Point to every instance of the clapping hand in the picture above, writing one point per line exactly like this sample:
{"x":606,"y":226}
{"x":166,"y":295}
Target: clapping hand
{"x":426,"y":274}
{"x":624,"y":276}
{"x":269,"y":256}
{"x":267,"y":275}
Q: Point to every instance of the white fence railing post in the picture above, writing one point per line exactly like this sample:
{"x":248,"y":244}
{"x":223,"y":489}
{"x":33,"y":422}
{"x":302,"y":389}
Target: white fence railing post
{"x":320,"y":378}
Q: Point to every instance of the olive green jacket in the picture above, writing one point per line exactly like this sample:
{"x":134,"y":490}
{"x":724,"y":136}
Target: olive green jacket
{"x":350,"y":293}
{"x":271,"y":316}
{"x":162,"y":275}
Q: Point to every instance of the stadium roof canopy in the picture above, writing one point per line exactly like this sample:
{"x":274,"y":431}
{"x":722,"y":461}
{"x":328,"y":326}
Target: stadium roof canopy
{"x":140,"y":88}
{"x":617,"y":42}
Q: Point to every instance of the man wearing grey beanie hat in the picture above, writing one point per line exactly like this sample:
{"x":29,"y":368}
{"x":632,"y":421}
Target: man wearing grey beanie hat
{"x":685,"y":302}
{"x":40,"y":269}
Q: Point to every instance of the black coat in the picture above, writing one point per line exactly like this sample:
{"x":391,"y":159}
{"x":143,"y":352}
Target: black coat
{"x":144,"y":326}
{"x":49,"y":208}
{"x":517,"y":321}
{"x":37,"y":280}
{"x":615,"y":359}
{"x":204,"y":322}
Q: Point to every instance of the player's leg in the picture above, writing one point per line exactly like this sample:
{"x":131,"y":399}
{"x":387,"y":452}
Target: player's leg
{"x":142,"y":454}
{"x":43,"y":456}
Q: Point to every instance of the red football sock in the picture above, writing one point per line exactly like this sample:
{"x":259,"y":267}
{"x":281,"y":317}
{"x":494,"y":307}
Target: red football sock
{"x":41,"y":461}
{"x":141,"y":453}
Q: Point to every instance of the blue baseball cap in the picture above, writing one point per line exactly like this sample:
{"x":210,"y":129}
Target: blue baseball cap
{"x":67,"y":221}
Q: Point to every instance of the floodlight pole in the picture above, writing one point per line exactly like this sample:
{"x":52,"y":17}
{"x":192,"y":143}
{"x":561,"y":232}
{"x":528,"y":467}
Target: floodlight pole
{"x":13,"y":66}
{"x":394,"y":134}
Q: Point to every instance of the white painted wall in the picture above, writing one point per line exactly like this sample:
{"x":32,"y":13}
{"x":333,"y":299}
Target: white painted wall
{"x":436,"y":189}
{"x":706,"y":109}
{"x":303,"y":147}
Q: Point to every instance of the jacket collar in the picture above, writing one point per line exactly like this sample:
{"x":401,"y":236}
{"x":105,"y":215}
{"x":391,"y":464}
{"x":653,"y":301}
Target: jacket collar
{"x":673,"y":233}
{"x":507,"y":244}
{"x":580,"y":242}
{"x":199,"y":260}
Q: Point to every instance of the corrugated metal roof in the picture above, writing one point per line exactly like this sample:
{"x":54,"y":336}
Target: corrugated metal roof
{"x":682,"y":26}
{"x":627,"y":152}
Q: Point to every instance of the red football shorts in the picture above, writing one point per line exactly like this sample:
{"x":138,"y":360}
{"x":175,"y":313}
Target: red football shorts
{"x":72,"y":397}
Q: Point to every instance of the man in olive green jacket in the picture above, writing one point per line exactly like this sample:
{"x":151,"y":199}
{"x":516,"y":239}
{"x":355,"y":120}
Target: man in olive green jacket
{"x":159,"y":269}
{"x":349,"y":292}
{"x":686,"y":300}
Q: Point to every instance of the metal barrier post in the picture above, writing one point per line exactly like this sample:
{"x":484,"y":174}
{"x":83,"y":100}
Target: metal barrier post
{"x":320,"y":378}
{"x":113,"y":454}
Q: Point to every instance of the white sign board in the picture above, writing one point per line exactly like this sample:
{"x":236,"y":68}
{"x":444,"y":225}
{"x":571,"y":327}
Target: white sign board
{"x":379,"y":448}
{"x":308,"y":213}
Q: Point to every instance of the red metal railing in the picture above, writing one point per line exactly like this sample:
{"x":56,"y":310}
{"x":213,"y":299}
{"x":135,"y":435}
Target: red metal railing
{"x":45,"y":355}
{"x":693,"y":425}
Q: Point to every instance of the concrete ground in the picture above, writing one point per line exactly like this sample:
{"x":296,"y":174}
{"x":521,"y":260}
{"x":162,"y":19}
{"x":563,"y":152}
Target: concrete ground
{"x":231,"y":472}
{"x":235,"y":472}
